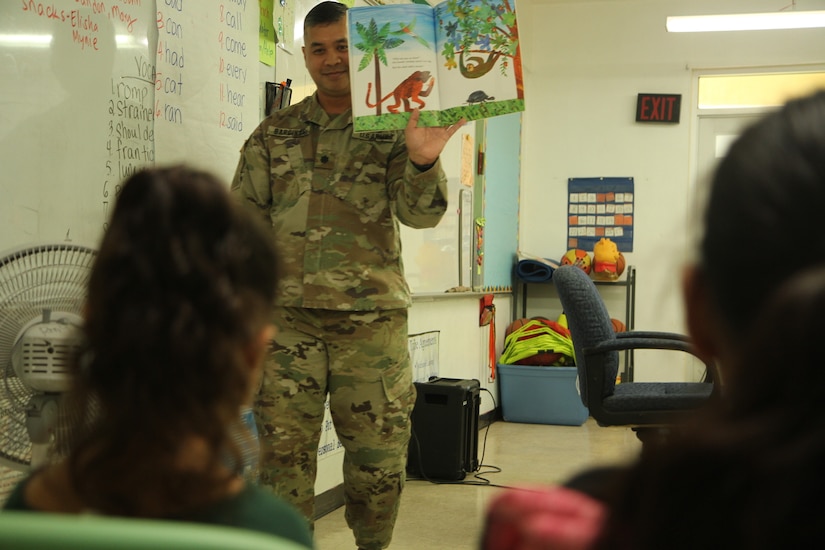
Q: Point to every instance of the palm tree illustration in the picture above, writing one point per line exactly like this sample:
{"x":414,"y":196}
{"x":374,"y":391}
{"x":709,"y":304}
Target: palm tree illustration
{"x":374,"y":43}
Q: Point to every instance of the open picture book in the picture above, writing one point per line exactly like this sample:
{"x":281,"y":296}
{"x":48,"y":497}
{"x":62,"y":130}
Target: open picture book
{"x":460,"y":58}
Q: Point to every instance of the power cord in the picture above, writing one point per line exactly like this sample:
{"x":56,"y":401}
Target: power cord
{"x":478,"y":475}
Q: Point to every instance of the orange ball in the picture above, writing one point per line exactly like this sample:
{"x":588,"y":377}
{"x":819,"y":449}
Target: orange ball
{"x":579,"y":258}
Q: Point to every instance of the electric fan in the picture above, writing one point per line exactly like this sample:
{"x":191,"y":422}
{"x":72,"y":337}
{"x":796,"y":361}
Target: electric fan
{"x":42,"y":291}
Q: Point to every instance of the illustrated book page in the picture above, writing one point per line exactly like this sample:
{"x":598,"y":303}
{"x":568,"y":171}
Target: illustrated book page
{"x":458,"y":59}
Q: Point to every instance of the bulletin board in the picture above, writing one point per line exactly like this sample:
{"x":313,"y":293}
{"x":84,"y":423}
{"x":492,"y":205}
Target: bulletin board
{"x":501,"y":199}
{"x":597,"y":208}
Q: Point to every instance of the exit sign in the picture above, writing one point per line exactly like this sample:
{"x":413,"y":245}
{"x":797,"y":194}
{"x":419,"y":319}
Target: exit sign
{"x":658,"y":107}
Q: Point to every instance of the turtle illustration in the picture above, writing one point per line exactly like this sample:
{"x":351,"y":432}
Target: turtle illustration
{"x":479,"y":96}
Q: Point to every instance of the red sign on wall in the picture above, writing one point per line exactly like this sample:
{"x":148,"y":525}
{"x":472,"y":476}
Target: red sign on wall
{"x":658,"y":107}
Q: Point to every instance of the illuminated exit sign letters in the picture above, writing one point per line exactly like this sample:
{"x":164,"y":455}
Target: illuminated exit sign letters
{"x":658,"y":107}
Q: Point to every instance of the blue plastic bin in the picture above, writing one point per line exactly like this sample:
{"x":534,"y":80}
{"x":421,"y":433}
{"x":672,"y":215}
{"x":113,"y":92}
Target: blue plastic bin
{"x":540,"y":395}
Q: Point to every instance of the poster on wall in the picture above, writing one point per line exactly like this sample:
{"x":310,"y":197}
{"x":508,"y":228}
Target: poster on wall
{"x":597,"y":208}
{"x":424,"y":355}
{"x":329,"y":445}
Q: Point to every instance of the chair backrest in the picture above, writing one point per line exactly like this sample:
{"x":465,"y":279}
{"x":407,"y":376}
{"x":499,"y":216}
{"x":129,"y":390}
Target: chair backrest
{"x":41,"y":531}
{"x":589,"y":324}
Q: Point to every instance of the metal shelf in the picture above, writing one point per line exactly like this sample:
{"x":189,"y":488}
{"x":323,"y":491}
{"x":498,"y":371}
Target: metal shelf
{"x":628,"y":281}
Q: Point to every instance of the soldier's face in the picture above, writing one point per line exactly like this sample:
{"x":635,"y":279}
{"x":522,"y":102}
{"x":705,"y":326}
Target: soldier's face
{"x":325,"y":55}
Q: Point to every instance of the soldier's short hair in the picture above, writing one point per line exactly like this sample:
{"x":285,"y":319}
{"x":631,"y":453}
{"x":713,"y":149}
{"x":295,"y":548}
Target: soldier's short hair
{"x":324,"y":14}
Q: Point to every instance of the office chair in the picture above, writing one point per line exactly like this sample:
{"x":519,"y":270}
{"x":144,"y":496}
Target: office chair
{"x":651,"y":409}
{"x":46,"y":531}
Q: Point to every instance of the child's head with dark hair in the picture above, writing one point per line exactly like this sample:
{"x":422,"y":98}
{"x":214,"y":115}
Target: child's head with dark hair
{"x":746,"y":472}
{"x":762,"y":223}
{"x":178,"y":306}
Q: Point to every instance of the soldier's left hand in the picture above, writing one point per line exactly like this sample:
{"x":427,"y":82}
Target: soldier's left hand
{"x":425,"y":144}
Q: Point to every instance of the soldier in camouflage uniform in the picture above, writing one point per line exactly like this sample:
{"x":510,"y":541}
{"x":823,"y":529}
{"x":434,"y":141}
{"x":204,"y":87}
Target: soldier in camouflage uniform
{"x":334,"y":200}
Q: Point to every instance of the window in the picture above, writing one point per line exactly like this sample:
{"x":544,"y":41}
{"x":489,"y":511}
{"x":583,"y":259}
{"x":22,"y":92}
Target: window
{"x":748,"y":91}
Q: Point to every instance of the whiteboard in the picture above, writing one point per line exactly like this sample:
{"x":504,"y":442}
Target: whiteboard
{"x":59,"y":99}
{"x":94,"y":90}
{"x":431,"y":256}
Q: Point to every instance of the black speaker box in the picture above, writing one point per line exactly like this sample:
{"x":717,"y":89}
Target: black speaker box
{"x":444,"y":442}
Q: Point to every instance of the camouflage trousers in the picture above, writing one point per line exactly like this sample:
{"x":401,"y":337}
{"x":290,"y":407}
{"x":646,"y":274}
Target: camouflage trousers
{"x":362,"y":361}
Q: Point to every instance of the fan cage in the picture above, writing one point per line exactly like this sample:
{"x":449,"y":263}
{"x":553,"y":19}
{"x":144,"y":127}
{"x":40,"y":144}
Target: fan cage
{"x":33,"y":280}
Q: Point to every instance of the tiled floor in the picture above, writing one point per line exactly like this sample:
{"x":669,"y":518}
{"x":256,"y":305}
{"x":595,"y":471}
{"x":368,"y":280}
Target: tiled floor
{"x":450,"y":517}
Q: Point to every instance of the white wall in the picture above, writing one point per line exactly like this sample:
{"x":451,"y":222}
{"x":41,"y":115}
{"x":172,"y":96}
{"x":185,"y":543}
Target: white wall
{"x":585,"y":61}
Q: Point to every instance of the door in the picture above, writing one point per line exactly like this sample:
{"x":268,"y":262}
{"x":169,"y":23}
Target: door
{"x":716,"y":133}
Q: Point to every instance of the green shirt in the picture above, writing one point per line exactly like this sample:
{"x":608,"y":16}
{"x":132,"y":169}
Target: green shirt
{"x":253,"y":508}
{"x":334,"y":199}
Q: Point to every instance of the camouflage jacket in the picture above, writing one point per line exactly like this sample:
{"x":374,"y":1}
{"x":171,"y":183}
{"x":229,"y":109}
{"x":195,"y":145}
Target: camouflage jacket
{"x":334,"y":199}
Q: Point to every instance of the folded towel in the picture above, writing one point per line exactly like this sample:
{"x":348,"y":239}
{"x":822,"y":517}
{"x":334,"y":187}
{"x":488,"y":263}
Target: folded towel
{"x":535,"y":270}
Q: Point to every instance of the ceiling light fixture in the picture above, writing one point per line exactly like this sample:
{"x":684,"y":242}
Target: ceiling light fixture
{"x":747,"y":21}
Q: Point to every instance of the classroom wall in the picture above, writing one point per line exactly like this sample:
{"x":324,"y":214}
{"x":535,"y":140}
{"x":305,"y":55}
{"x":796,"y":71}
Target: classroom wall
{"x":585,"y":62}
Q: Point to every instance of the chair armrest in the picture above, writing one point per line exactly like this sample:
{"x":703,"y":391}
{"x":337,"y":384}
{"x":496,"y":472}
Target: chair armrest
{"x":632,"y":342}
{"x":628,"y":343}
{"x":653,"y":334}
